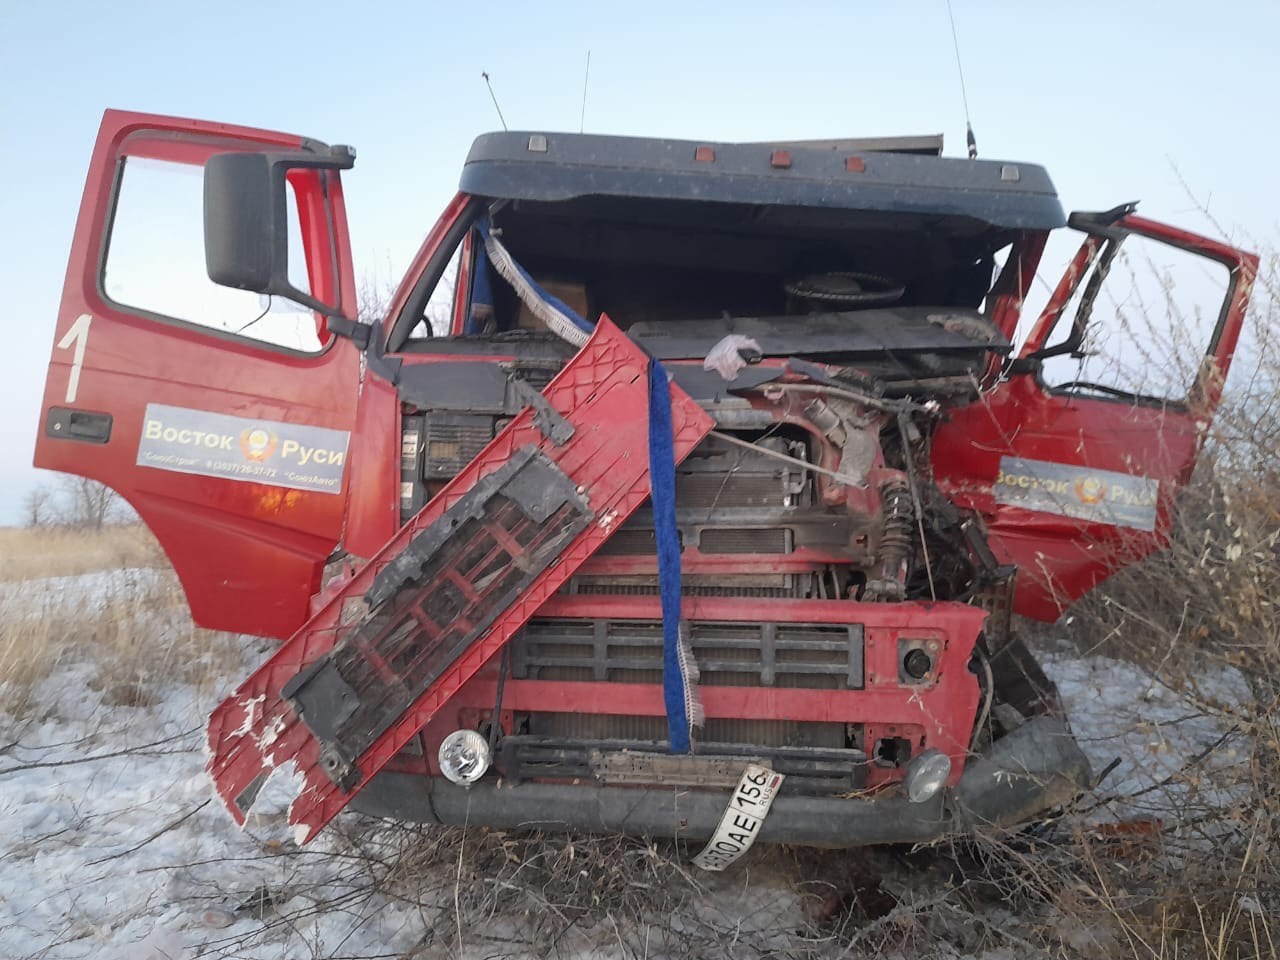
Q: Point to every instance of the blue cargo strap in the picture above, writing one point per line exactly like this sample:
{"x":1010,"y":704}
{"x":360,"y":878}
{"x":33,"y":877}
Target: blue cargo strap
{"x":679,"y":670}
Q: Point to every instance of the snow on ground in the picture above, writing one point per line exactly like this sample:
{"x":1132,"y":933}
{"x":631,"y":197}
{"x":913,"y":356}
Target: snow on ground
{"x":112,"y":846}
{"x":87,"y":591}
{"x":129,"y":856}
{"x":1172,"y":744}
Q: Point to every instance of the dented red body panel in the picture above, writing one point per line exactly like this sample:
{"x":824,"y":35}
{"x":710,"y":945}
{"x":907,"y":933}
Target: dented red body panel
{"x":1060,"y":557}
{"x":602,"y":394}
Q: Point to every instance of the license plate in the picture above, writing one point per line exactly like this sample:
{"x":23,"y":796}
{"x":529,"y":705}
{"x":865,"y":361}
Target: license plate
{"x":743,"y":818}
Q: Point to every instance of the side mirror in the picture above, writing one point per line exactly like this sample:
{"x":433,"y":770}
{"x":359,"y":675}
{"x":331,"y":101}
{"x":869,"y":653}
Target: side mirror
{"x":246,"y":222}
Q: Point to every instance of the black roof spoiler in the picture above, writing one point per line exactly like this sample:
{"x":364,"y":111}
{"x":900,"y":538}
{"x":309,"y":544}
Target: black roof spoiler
{"x":832,"y":174}
{"x":928,"y":145}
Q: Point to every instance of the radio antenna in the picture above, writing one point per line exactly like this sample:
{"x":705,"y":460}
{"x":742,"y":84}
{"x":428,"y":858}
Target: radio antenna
{"x":586,"y":77}
{"x":494,"y":99}
{"x":964,"y":96}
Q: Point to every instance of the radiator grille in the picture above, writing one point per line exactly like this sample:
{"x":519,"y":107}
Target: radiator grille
{"x":602,"y":586}
{"x":768,"y":733}
{"x":452,"y":441}
{"x":745,"y":540}
{"x":744,"y":654}
{"x":723,"y":490}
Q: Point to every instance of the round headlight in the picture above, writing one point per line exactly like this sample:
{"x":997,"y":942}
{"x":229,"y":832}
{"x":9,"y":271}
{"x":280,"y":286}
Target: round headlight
{"x":926,"y":775}
{"x":464,"y":757}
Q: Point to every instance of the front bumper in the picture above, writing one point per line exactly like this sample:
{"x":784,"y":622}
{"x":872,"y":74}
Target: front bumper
{"x":1034,"y":768}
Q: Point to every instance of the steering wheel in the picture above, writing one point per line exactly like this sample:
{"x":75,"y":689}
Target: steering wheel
{"x":845,"y":288}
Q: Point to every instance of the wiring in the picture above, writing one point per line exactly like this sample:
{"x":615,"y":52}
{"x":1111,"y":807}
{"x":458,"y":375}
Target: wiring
{"x":989,"y":689}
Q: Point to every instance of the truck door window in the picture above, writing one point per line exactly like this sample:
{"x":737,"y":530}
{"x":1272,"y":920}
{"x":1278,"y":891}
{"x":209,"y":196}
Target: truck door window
{"x":154,"y":261}
{"x":1148,"y":323}
{"x":437,"y":313}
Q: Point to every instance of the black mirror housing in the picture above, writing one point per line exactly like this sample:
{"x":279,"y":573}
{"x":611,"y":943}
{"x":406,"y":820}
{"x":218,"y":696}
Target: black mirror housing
{"x":241,"y":248}
{"x":246,"y":223}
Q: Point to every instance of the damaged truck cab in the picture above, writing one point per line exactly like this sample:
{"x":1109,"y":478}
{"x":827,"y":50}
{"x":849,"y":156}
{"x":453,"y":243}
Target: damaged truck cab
{"x":667,"y":461}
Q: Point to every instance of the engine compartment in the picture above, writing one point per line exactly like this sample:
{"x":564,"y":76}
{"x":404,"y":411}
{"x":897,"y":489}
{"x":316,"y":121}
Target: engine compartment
{"x":811,"y":502}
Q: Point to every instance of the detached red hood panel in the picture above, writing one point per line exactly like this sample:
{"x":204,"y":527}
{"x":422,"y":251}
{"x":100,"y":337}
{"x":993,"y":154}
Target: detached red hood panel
{"x":357,"y":682}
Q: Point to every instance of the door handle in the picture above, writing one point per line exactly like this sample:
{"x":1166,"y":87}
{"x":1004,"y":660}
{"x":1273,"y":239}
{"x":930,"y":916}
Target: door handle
{"x":64,"y":423}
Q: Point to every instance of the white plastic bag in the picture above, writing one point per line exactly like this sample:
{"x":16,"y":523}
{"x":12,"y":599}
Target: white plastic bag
{"x":724,"y":358}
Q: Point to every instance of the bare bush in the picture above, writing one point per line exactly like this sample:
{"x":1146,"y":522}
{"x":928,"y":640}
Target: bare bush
{"x":37,"y":507}
{"x":1197,"y":875}
{"x":86,"y":503}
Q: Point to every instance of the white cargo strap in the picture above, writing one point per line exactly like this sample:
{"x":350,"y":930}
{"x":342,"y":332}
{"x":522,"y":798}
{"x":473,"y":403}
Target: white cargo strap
{"x":743,"y":818}
{"x":557,"y":316}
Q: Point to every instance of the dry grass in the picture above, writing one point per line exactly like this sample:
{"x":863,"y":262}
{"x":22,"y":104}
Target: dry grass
{"x":30,"y":553}
{"x":490,"y":893}
{"x":107,"y":599}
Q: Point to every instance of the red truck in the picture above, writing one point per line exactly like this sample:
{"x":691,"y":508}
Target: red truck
{"x":681,"y":489}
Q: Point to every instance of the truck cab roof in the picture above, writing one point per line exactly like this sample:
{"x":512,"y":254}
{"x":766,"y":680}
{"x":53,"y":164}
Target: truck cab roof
{"x":902,"y":175}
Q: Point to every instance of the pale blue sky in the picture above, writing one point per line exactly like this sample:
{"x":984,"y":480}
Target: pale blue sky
{"x":1119,"y":100}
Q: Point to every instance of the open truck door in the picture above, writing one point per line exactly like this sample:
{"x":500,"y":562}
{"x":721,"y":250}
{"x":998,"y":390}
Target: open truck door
{"x":1074,"y":458}
{"x":221,"y":415}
